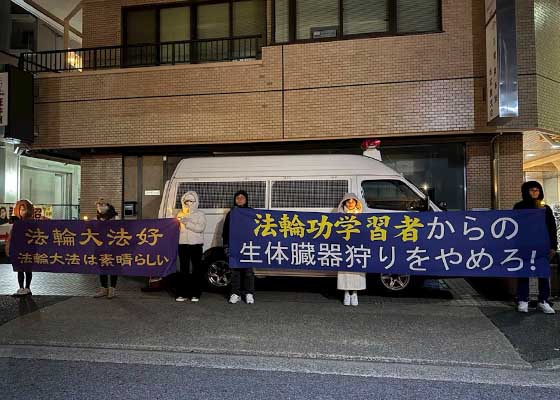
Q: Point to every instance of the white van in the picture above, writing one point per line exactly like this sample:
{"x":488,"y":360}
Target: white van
{"x":288,"y":182}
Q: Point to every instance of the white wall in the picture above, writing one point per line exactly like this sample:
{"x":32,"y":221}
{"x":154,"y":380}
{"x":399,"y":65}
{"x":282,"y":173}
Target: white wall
{"x":40,"y":181}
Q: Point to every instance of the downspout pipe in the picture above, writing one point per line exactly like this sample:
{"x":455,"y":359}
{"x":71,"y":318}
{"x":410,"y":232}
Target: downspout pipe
{"x":494,"y":171}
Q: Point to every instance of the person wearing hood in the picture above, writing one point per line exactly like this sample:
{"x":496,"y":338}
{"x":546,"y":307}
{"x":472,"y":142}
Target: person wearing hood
{"x":533,"y":196}
{"x":350,"y":282}
{"x":106,"y":212}
{"x":191,"y":239}
{"x":240,"y":199}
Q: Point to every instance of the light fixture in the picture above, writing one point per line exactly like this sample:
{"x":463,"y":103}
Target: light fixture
{"x":530,"y":155}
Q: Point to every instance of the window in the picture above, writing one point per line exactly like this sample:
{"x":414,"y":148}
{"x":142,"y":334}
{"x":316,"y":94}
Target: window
{"x":248,"y":20}
{"x":439,"y":166}
{"x":141,"y":28}
{"x":296,"y":20}
{"x":222,"y":30}
{"x":417,"y":16}
{"x":312,"y":15}
{"x":248,"y":17}
{"x":281,"y":21}
{"x":390,"y":195}
{"x":175,"y":26}
{"x":308,"y":193}
{"x":365,"y":16}
{"x":213,"y":23}
{"x":220,"y":194}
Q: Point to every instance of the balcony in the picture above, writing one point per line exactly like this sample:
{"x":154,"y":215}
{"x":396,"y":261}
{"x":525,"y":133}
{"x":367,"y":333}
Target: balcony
{"x":144,"y":55}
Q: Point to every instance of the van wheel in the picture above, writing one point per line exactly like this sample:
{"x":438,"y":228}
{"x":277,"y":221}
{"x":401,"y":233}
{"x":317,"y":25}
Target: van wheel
{"x":219,"y":274}
{"x":395,"y":283}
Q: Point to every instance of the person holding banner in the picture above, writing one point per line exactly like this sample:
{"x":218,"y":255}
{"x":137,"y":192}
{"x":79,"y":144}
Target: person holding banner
{"x":350,"y":282}
{"x":3,"y":216}
{"x":106,"y":212}
{"x":241,"y":200}
{"x":191,"y":239}
{"x":23,"y":210}
{"x":533,"y":196}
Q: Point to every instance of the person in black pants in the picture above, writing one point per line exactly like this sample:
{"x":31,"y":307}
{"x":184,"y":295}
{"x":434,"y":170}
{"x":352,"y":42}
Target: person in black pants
{"x":191,"y":239}
{"x":106,"y":212}
{"x":533,"y":196}
{"x":239,"y":276}
{"x":23,"y":210}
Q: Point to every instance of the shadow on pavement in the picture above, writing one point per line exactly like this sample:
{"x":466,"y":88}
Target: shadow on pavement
{"x":13,"y":307}
{"x":433,"y":289}
{"x":535,"y":335}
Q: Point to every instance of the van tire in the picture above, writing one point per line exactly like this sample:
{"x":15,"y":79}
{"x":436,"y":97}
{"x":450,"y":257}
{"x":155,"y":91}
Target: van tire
{"x":394,"y":284}
{"x":218,"y":274}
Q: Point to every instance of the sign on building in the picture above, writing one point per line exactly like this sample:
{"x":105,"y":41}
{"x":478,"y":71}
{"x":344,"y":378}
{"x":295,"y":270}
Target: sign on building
{"x":501,"y":60}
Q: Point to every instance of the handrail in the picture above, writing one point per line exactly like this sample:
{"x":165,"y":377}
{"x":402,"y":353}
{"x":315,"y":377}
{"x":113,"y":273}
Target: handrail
{"x":9,"y":54}
{"x":146,"y":54}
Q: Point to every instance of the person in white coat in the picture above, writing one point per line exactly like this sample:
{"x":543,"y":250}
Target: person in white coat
{"x":191,"y":239}
{"x":350,"y":282}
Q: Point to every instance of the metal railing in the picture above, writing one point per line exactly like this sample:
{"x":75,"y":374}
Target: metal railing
{"x":144,"y":55}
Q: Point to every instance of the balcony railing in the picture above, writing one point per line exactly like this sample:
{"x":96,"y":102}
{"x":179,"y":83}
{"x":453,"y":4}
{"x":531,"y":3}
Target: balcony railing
{"x":144,"y":55}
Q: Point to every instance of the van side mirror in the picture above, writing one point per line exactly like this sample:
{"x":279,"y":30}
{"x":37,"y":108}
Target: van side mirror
{"x":420,"y":205}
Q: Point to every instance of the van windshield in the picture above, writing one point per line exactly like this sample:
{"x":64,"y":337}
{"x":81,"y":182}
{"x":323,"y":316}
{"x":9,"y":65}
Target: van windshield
{"x":391,"y":195}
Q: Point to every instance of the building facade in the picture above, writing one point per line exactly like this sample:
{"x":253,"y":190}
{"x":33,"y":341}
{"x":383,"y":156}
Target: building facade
{"x":162,"y":80}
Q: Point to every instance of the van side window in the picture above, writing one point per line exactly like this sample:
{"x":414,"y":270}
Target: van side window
{"x":390,"y":195}
{"x":308,"y":193}
{"x":220,"y":194}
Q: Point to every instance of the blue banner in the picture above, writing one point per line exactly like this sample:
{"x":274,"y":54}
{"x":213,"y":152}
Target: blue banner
{"x":116,"y":247}
{"x":482,"y":243}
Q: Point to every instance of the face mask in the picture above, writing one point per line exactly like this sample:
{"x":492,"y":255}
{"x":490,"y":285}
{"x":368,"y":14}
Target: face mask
{"x":188,"y":204}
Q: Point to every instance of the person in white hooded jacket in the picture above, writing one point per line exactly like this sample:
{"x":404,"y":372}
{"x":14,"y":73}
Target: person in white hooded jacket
{"x":191,"y":239}
{"x":350,"y":282}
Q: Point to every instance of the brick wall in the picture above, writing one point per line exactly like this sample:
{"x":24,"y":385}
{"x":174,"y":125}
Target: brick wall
{"x":479,"y":179}
{"x":101,"y":176}
{"x":479,"y":171}
{"x":547,"y":12}
{"x":510,"y":169}
{"x":390,"y":86}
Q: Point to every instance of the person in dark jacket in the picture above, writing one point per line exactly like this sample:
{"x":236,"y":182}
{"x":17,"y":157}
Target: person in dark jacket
{"x":23,"y":210}
{"x":106,"y":212}
{"x":533,"y":196}
{"x":240,"y":199}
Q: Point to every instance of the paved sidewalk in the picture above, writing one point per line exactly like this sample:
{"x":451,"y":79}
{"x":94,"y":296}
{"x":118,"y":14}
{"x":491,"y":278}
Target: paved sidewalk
{"x":417,"y":333}
{"x":451,"y":292}
{"x":449,"y":325}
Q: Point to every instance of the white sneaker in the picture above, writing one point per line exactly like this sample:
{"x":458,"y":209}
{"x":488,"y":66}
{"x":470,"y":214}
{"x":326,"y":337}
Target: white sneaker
{"x":234,"y":299}
{"x":195,"y":299}
{"x":111,"y":293}
{"x":180,"y":299}
{"x":346,"y":301}
{"x":20,"y":292}
{"x":26,"y":291}
{"x":354,"y":299}
{"x":546,"y":308}
{"x":249,"y":299}
{"x":101,"y":292}
{"x":523,"y":306}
